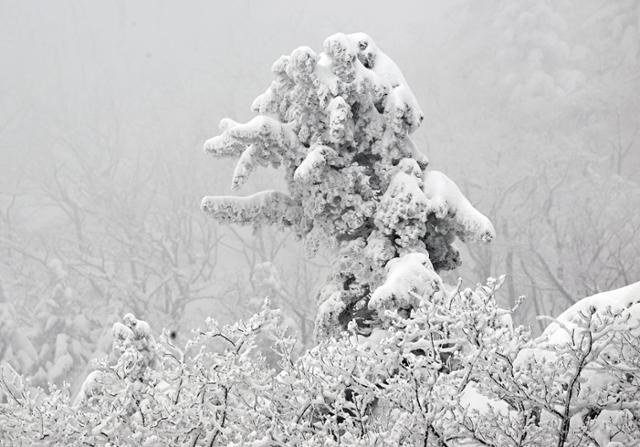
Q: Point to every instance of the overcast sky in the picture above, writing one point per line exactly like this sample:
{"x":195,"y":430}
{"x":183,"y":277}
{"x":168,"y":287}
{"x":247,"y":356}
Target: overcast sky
{"x":159,"y":66}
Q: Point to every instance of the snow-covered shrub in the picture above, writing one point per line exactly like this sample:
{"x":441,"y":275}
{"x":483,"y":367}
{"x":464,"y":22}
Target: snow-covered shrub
{"x":339,"y":123}
{"x":454,"y":372}
{"x":48,"y":334}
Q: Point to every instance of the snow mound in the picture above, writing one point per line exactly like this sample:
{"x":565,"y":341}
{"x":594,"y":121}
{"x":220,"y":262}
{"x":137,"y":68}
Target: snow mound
{"x":376,"y":60}
{"x":602,"y":318}
{"x":625,"y":299}
{"x":569,"y":325}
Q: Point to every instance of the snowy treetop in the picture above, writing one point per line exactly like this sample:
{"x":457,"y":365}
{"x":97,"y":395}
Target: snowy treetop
{"x":339,"y":123}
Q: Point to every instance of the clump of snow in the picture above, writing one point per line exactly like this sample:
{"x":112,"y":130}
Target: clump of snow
{"x":409,"y":278}
{"x":138,"y":328}
{"x":403,"y":103}
{"x":376,"y":60}
{"x":471,"y":399}
{"x":313,"y":162}
{"x":120,"y":331}
{"x":445,"y":199}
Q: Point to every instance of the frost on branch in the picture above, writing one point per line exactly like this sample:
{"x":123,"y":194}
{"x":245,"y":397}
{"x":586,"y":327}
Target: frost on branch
{"x":447,"y":375}
{"x":339,"y":124}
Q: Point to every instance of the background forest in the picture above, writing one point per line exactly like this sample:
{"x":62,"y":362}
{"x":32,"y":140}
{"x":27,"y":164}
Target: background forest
{"x":531,"y":107}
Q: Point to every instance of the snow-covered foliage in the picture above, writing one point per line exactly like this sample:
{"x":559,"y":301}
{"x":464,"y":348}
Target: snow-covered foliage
{"x":452,"y":372}
{"x":52,"y":339}
{"x":340,"y":125}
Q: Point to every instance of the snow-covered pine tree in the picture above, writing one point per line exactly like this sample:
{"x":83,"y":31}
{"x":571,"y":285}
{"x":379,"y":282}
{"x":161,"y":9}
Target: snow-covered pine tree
{"x":340,"y":124}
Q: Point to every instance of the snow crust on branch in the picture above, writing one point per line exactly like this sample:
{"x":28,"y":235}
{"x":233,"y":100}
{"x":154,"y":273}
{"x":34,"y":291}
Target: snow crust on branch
{"x":446,"y":199}
{"x":269,"y":207}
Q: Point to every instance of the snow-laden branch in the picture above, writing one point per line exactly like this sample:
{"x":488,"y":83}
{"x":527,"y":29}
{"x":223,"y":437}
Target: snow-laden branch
{"x":265,"y":207}
{"x":446,"y":200}
{"x":262,"y":131}
{"x":409,"y":277}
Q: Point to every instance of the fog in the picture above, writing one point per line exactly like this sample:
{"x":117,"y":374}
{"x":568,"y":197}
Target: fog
{"x":104,"y":107}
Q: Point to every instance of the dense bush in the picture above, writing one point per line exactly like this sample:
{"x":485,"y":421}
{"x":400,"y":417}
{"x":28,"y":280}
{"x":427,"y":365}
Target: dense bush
{"x":455,"y":372}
